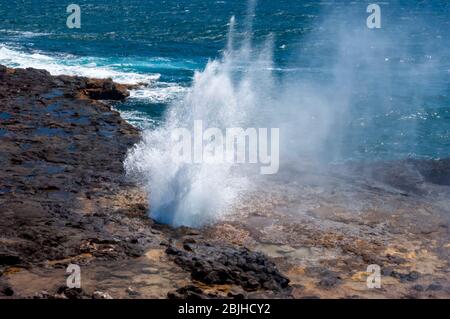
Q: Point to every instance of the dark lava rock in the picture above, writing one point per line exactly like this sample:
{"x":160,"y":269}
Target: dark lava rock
{"x":106,"y":90}
{"x":434,"y":287}
{"x":7,"y":291}
{"x":9,"y":259}
{"x":57,"y":144}
{"x":173,"y":251}
{"x":328,"y":278}
{"x":73,"y":293}
{"x":387,"y":271}
{"x":395,"y":259}
{"x":230,"y":265}
{"x":236,"y":295}
{"x":329,"y":282}
{"x":418,"y":288}
{"x":189,"y":292}
{"x":132,"y":292}
{"x":412,"y":276}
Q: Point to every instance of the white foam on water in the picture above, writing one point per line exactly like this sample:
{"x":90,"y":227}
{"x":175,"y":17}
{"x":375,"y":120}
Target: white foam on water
{"x":159,"y":93}
{"x":24,"y":34}
{"x":151,"y":91}
{"x":70,"y":65}
{"x":138,"y":119}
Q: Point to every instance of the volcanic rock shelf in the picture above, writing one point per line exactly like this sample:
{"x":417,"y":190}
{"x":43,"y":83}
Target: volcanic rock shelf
{"x":64,"y":199}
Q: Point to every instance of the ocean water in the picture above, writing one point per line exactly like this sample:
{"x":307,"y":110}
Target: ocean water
{"x":397,"y":106}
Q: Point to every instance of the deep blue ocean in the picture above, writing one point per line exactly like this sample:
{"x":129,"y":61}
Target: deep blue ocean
{"x":398,"y":99}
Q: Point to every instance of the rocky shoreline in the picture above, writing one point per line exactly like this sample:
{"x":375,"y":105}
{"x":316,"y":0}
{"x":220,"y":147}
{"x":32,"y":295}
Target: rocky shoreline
{"x":64,"y":200}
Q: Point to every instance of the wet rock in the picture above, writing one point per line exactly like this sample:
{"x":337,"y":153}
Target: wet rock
{"x":54,"y":153}
{"x":418,"y":288}
{"x":64,"y":198}
{"x":387,"y":271}
{"x":434,"y":287}
{"x":405,"y":277}
{"x":436,"y":172}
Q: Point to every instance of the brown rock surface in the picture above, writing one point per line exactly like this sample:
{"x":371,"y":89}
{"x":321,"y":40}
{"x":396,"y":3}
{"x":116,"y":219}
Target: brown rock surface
{"x":323,"y":227}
